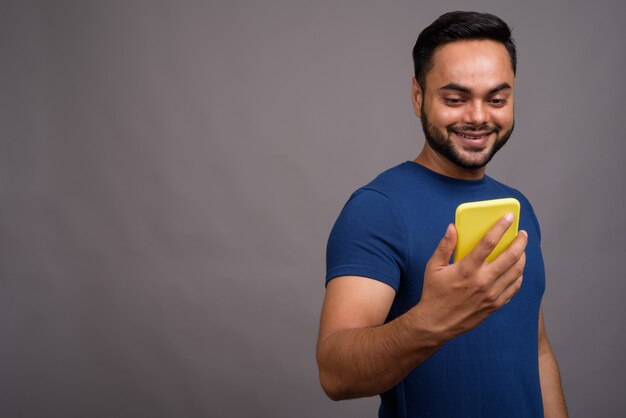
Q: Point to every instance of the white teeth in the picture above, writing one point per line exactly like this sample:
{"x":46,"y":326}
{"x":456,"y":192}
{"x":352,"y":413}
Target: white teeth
{"x":471,"y":137}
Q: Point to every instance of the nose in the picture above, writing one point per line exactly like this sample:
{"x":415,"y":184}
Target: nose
{"x":476,"y":113}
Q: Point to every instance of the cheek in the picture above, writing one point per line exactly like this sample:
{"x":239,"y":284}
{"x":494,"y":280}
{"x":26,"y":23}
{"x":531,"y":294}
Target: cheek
{"x":503,"y":117}
{"x":444,"y":116}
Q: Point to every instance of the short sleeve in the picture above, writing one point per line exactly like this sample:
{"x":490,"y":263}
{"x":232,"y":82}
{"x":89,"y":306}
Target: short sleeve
{"x":368,"y":239}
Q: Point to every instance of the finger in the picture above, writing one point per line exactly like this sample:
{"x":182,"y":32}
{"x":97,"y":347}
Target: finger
{"x":510,"y":276}
{"x":486,"y":245}
{"x":510,"y":292}
{"x":443,"y":252}
{"x":511,"y":255}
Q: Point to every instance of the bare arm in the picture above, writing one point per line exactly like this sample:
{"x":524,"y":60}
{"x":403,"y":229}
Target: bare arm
{"x":551,"y":390}
{"x":358,"y":355}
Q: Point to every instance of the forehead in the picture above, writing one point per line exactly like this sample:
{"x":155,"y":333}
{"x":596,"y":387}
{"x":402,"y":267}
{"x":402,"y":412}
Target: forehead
{"x":472,"y":63}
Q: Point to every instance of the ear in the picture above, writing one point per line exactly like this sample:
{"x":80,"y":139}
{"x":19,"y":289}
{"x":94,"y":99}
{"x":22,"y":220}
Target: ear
{"x":417,"y":96}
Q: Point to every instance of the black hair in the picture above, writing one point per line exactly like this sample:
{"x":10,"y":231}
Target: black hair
{"x":458,"y":26}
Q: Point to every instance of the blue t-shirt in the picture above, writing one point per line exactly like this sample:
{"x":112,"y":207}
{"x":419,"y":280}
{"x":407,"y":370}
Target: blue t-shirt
{"x":387,"y":231}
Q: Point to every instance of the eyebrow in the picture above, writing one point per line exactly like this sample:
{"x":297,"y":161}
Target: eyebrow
{"x":463,"y":89}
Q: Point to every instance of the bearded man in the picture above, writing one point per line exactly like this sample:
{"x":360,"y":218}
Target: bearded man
{"x":399,"y":320}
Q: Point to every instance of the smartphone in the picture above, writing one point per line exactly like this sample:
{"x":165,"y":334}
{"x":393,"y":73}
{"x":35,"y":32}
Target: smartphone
{"x":474,"y":219}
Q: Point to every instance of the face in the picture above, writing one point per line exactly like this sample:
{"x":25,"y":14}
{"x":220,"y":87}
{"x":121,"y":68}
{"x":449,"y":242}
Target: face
{"x":467,"y":105}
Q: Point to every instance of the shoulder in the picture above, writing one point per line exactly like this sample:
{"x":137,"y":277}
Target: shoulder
{"x":509,"y":190}
{"x":396,"y":182}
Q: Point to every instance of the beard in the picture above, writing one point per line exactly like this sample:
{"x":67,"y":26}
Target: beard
{"x":444,"y":146}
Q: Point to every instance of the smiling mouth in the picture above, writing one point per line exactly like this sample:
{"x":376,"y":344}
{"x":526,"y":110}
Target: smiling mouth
{"x":474,"y":141}
{"x":474,"y":135}
{"x":479,"y":133}
{"x":475,"y":132}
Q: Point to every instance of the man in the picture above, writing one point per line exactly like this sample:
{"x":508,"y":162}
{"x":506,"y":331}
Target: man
{"x":435,"y":338}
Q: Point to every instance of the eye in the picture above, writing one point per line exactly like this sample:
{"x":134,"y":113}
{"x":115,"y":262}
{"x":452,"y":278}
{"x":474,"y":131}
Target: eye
{"x":453,"y":101}
{"x":498,"y":102}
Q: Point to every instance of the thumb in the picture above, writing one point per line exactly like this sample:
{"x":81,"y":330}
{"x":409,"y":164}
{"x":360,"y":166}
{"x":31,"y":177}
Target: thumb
{"x":441,"y":256}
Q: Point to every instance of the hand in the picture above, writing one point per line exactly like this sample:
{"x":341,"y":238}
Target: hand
{"x":457,"y":297}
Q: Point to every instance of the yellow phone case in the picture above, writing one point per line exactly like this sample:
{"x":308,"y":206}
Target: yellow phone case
{"x":475,"y":219}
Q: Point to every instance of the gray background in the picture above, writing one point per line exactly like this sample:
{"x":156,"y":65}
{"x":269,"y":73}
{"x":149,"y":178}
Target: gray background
{"x":169,"y":173}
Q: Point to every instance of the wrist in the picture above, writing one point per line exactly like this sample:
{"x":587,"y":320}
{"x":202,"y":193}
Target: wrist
{"x":421,"y":326}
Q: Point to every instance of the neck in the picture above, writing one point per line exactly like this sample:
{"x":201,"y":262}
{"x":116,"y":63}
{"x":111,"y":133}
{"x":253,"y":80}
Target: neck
{"x":434,"y":161}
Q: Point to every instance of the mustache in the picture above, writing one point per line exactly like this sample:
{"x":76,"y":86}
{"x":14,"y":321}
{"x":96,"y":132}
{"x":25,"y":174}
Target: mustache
{"x":472,"y":128}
